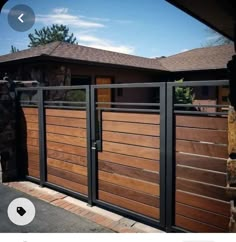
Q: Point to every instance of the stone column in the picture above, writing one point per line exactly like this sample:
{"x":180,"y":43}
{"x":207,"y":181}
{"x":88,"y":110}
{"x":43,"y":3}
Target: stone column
{"x":8,"y":169}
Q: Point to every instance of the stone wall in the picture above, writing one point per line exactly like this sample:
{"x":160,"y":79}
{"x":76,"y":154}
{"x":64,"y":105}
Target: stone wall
{"x":7,"y":133}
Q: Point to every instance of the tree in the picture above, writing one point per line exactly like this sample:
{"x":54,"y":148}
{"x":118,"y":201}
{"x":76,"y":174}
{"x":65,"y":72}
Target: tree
{"x":183,"y":95}
{"x":14,"y":49}
{"x":50,"y":34}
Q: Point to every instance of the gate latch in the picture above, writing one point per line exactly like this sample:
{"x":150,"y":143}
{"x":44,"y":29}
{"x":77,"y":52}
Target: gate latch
{"x":97,"y":145}
{"x":94,"y":145}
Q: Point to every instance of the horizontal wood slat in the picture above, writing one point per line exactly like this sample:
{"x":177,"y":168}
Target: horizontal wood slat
{"x":135,"y":184}
{"x":144,"y":152}
{"x":128,"y":171}
{"x":81,"y":170}
{"x":203,"y":216}
{"x":133,"y":139}
{"x":201,"y":189}
{"x":68,"y":122}
{"x":75,"y":150}
{"x":65,"y":139}
{"x":151,"y":165}
{"x":77,"y":132}
{"x":196,"y":226}
{"x":31,"y":118}
{"x":209,"y":204}
{"x":202,"y":162}
{"x":212,"y":136}
{"x":79,"y":160}
{"x":31,"y":134}
{"x":32,"y":126}
{"x":67,"y":175}
{"x":202,"y":149}
{"x":129,"y":194}
{"x":33,"y":111}
{"x":33,"y":149}
{"x":132,"y":128}
{"x":33,"y":165}
{"x":33,"y":142}
{"x":201,"y":175}
{"x":33,"y":157}
{"x":65,"y":113}
{"x":129,"y":204}
{"x":76,"y":187}
{"x":33,"y":173}
{"x":132,"y":117}
{"x":202,"y":122}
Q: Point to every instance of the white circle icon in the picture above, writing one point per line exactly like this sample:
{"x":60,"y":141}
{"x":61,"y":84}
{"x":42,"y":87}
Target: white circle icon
{"x":21,"y":211}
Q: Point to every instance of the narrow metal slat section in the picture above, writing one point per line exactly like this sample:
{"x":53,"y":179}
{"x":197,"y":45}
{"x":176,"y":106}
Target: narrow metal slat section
{"x":42,"y":138}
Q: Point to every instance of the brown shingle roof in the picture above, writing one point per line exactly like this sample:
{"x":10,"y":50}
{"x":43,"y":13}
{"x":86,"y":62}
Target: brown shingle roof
{"x":197,"y":59}
{"x":82,"y":53}
{"x":29,"y":53}
{"x":215,"y":57}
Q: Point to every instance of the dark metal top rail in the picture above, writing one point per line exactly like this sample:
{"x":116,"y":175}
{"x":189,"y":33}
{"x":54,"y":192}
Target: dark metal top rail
{"x":129,"y":104}
{"x":52,"y":88}
{"x":201,"y":105}
{"x":129,"y":85}
{"x":199,"y":83}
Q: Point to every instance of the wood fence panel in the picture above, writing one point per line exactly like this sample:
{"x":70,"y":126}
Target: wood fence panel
{"x":66,"y":139}
{"x":201,"y":152}
{"x":29,"y":134}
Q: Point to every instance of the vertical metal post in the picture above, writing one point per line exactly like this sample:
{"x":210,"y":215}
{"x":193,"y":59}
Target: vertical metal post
{"x":42,"y":139}
{"x":170,"y":189}
{"x":89,"y":157}
{"x":18,"y":135}
{"x":162,"y":91}
{"x":93,"y":149}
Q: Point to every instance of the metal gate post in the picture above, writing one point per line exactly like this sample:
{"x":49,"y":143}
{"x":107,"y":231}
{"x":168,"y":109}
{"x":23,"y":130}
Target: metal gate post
{"x":89,"y":157}
{"x":170,"y":197}
{"x":163,"y":154}
{"x":42,"y":139}
{"x":93,"y":149}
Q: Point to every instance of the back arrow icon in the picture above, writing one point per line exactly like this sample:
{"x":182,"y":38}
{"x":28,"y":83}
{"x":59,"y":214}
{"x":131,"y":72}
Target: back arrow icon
{"x":20,"y":18}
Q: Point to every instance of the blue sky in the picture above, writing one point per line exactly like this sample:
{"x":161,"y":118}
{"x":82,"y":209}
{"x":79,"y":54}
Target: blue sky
{"x":149,"y":28}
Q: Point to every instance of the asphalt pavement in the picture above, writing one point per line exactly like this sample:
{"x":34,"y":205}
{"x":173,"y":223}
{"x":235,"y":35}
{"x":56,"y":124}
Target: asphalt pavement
{"x":48,"y":219}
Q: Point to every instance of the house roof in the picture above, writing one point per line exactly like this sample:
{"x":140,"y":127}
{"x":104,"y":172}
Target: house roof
{"x":197,"y":59}
{"x":82,"y":53}
{"x":207,"y":58}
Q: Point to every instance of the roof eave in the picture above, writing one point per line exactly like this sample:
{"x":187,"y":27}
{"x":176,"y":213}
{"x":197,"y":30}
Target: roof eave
{"x":45,"y":57}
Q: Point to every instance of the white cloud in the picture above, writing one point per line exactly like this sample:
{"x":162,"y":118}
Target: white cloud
{"x":60,"y":10}
{"x":104,"y":44}
{"x":184,"y":50}
{"x":95,"y":19}
{"x":212,"y":37}
{"x":62,"y":16}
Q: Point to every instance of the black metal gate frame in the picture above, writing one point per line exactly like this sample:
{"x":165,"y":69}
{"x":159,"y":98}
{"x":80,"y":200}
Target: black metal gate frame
{"x":162,"y":111}
{"x":40,"y":104}
{"x":167,"y":145}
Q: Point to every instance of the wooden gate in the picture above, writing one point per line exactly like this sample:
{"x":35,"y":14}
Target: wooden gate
{"x":128,"y":145}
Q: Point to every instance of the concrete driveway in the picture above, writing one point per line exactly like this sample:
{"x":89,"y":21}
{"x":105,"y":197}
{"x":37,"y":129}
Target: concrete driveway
{"x":49,"y":219}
